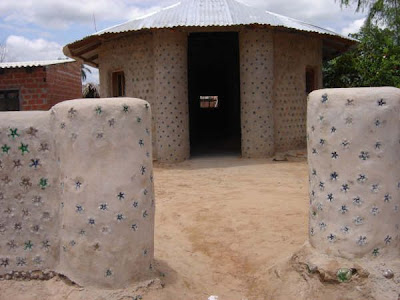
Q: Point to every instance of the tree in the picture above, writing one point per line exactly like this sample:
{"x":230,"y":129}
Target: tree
{"x":385,"y":13}
{"x":375,"y":62}
{"x":341,"y":71}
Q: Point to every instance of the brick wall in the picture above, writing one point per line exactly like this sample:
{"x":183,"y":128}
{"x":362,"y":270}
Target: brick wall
{"x":42,"y":87}
{"x":64,"y":82}
{"x":31,"y":84}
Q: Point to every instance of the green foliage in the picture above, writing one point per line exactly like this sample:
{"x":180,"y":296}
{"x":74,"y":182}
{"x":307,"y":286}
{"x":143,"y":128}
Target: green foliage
{"x":375,"y":62}
{"x":385,"y":13}
{"x":361,"y":4}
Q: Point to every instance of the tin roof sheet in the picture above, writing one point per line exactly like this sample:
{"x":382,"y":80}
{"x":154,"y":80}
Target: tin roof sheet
{"x":205,"y":13}
{"x":38,"y":63}
{"x":202,"y":13}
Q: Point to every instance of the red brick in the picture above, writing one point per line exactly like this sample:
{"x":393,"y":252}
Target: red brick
{"x":61,"y":82}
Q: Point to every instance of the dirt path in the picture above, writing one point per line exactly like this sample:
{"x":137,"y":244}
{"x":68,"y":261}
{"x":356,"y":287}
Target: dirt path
{"x":220,"y":223}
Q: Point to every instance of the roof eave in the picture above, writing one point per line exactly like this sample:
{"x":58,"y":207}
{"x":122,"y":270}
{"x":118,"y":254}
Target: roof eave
{"x":336,"y":46}
{"x":86,"y":49}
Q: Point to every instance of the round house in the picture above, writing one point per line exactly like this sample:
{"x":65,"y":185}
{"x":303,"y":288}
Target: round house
{"x":221,"y":77}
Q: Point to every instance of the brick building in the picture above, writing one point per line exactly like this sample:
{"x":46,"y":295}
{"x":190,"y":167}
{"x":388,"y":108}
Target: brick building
{"x":38,"y":85}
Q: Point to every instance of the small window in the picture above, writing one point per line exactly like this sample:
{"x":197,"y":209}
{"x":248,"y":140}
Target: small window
{"x":208,"y":101}
{"x":9,"y":100}
{"x":118,"y":84}
{"x":310,"y":80}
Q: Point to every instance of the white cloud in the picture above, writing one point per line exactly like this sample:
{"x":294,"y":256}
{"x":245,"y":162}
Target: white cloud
{"x":53,"y":14}
{"x":24,"y":30}
{"x":50,"y":15}
{"x":353,"y":27}
{"x":60,"y":14}
{"x":20,"y":48}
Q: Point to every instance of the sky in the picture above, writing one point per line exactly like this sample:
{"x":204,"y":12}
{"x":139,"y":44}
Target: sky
{"x":38,"y":29}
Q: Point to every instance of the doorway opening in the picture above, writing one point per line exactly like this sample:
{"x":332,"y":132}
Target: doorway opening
{"x":214,"y":93}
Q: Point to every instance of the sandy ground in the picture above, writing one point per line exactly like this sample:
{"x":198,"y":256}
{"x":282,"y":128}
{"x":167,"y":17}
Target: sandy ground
{"x":224,"y":226}
{"x":221,"y":221}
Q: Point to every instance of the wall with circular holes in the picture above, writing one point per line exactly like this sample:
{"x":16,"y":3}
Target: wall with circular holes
{"x":256,"y":91}
{"x":29,"y":193}
{"x":171,"y":95}
{"x":107,"y":196}
{"x":76,"y":192}
{"x":272,"y":72}
{"x":353,"y":154}
{"x":293,"y":53}
{"x":155,"y":69}
{"x":133,"y":55}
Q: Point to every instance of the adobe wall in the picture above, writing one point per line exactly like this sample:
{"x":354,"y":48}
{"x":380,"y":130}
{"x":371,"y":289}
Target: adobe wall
{"x":293,"y":53}
{"x":29,"y":193}
{"x":77,"y":191}
{"x":256,"y":49}
{"x":132,"y":54}
{"x":272,"y":72}
{"x":171,"y":95}
{"x":155,"y":68}
{"x":353,"y":155}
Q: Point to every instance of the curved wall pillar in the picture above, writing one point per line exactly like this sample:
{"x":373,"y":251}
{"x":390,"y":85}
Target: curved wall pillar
{"x":353,"y":154}
{"x":256,"y":90}
{"x":29,"y":193}
{"x":107,"y":200}
{"x":171,"y":95}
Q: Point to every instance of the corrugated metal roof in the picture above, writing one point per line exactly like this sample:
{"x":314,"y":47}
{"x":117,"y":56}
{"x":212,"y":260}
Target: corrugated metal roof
{"x":188,"y":13}
{"x":205,"y":13}
{"x":38,"y":63}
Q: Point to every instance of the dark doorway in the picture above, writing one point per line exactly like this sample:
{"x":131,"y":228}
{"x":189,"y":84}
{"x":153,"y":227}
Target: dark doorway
{"x":214,"y":93}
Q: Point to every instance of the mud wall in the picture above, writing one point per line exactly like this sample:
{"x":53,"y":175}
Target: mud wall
{"x":155,"y":69}
{"x":353,"y":153}
{"x":133,"y":55}
{"x":293,"y":53}
{"x":256,"y":92}
{"x":273,"y":86}
{"x":29,"y":193}
{"x":171,"y":95}
{"x":77,"y":191}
